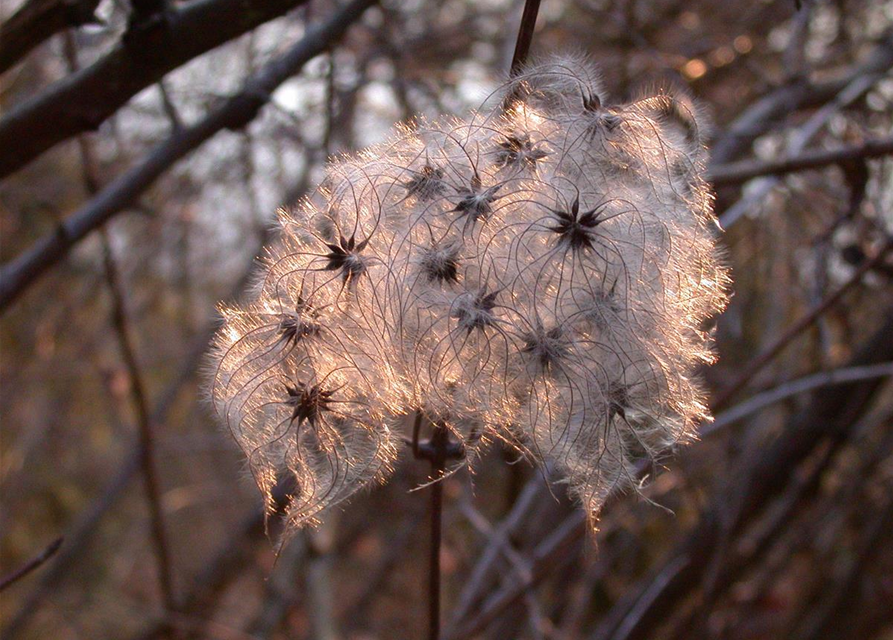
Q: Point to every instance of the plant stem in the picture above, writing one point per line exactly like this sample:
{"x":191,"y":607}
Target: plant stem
{"x":525,"y":35}
{"x":437,"y":450}
{"x":437,"y":467}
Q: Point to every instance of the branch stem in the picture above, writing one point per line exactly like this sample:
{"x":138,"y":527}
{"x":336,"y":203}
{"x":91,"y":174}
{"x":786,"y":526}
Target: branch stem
{"x":525,"y":35}
{"x":437,"y":450}
{"x":437,"y":467}
{"x":31,"y":565}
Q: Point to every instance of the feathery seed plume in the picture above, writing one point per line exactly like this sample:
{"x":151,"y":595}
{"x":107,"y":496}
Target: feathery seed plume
{"x":537,"y":273}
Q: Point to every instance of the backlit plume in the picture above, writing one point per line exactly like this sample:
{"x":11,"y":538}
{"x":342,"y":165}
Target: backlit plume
{"x":538,"y":273}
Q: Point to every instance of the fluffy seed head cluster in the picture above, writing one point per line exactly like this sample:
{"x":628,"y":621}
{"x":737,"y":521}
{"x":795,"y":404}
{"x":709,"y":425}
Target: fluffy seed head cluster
{"x":538,"y":274}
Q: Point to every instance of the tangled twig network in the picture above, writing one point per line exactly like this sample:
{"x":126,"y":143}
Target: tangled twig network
{"x":537,"y":273}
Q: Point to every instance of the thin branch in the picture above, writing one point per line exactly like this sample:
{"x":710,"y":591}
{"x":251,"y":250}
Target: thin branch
{"x":78,"y":535}
{"x":486,"y":529}
{"x":799,"y":139}
{"x":831,"y":415}
{"x":144,"y":423}
{"x":764,"y":113}
{"x":234,"y":113}
{"x":738,"y":172}
{"x":170,"y":109}
{"x":50,"y":550}
{"x":201,"y":599}
{"x":120,"y":322}
{"x":525,"y":35}
{"x":518,"y":562}
{"x":438,"y":449}
{"x":793,"y":388}
{"x":84,"y":100}
{"x":768,"y":355}
{"x":655,"y":591}
{"x":80,"y":532}
{"x":547,"y":555}
{"x":479,"y":578}
{"x":38,"y":20}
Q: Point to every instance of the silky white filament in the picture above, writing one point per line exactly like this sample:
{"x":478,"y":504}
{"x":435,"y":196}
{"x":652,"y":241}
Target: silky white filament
{"x":537,"y":273}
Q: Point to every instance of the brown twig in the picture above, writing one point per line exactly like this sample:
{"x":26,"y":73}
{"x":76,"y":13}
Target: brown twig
{"x":202,"y":598}
{"x":768,"y":355}
{"x":831,"y":415}
{"x":519,"y":563}
{"x":80,"y":532}
{"x":479,"y":578}
{"x":547,"y":555}
{"x":795,"y":387}
{"x":84,"y":100}
{"x":525,"y":35}
{"x":438,"y":449}
{"x":138,"y":393}
{"x":144,"y":424}
{"x":50,"y":550}
{"x":738,"y":172}
{"x":799,"y":138}
{"x":840,"y":598}
{"x":234,"y":113}
{"x":767,"y":111}
{"x":38,"y":20}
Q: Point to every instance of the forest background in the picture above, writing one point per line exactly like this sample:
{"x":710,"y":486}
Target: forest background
{"x":144,"y":150}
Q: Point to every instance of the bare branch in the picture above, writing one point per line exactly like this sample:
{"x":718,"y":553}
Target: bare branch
{"x":234,"y":113}
{"x":84,"y":100}
{"x":90,"y":172}
{"x":31,"y":565}
{"x":144,"y":423}
{"x":758,"y":363}
{"x":831,"y":415}
{"x":525,"y":34}
{"x":208,"y":587}
{"x":37,"y":20}
{"x":738,"y":172}
{"x":80,"y":532}
{"x":759,"y":117}
{"x":798,"y":140}
{"x":548,"y":554}
{"x":479,"y":579}
{"x":793,"y":388}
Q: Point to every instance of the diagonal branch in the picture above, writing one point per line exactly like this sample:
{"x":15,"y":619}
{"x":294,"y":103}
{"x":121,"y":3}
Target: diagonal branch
{"x":761,"y":115}
{"x":831,"y":415}
{"x":525,"y":35}
{"x":84,"y":100}
{"x":146,"y":427}
{"x":79,"y":534}
{"x":234,"y":113}
{"x":38,"y":20}
{"x":763,"y":359}
{"x":31,"y":565}
{"x":738,"y":172}
{"x":799,"y":138}
{"x":139,"y":396}
{"x":548,"y":554}
{"x":795,"y":387}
